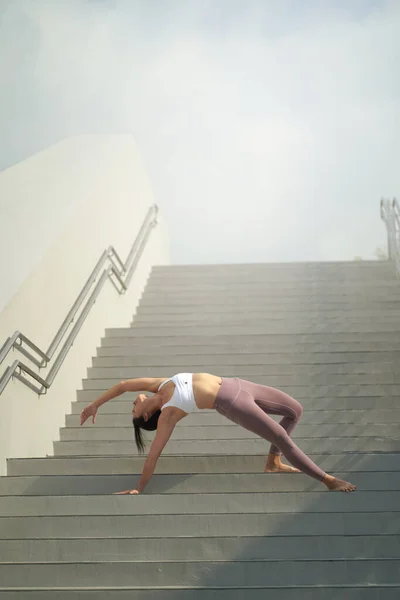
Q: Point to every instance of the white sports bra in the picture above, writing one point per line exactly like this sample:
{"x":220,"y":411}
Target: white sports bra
{"x":183,"y":396}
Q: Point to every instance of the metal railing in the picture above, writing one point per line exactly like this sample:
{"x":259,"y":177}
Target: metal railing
{"x":390,"y":214}
{"x":109,"y":266}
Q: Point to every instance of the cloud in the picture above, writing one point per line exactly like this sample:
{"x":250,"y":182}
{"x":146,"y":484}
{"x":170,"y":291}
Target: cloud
{"x":269,"y":129}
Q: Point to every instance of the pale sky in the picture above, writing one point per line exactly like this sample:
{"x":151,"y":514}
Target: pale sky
{"x":270,"y":129}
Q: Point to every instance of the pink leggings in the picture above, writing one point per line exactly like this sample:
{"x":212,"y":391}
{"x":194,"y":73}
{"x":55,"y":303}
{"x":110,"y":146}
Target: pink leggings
{"x":250,"y":404}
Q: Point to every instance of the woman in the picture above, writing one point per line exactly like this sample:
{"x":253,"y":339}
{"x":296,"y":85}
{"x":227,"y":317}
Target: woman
{"x":245,"y":403}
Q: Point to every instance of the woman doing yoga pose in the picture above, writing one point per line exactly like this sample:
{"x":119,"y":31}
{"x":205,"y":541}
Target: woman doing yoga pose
{"x":245,"y":403}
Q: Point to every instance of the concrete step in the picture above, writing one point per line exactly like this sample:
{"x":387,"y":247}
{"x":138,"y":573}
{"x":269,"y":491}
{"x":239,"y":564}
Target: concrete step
{"x":204,"y":573}
{"x":374,"y":372}
{"x":294,"y":310}
{"x":353,"y":268}
{"x":107,"y":377}
{"x":256,"y":366}
{"x":273,"y":280}
{"x":293,"y":305}
{"x":271,"y":276}
{"x":325,"y":302}
{"x":123,"y":404}
{"x":201,"y":548}
{"x":212,"y":418}
{"x":289,"y":286}
{"x":254,"y":300}
{"x":258,"y":308}
{"x":206,"y":464}
{"x":264,"y":328}
{"x":261,"y":524}
{"x":265,"y":316}
{"x":293,"y":326}
{"x":169,"y":504}
{"x":340,"y":592}
{"x":251,"y":446}
{"x":259,"y":285}
{"x":222,"y":432}
{"x":370,"y":266}
{"x":248,"y":344}
{"x":130,"y":358}
{"x":276,"y":277}
{"x":293,"y":282}
{"x":279,"y":305}
{"x":232,"y":483}
{"x":312,"y":387}
{"x":259,"y":335}
{"x":322,"y":293}
{"x":369,"y":269}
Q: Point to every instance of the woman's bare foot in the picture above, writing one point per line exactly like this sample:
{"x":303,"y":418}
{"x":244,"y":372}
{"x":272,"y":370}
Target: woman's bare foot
{"x":274,"y":465}
{"x":338,"y":485}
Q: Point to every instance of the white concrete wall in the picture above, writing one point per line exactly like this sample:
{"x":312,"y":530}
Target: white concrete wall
{"x":98,"y":194}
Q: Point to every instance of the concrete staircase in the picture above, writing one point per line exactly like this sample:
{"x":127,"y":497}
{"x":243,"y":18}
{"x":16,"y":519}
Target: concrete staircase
{"x":211,"y":525}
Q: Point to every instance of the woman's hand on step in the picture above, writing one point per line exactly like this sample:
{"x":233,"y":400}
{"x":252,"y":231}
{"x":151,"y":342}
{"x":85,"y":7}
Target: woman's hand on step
{"x":89,"y":411}
{"x":126,"y":492}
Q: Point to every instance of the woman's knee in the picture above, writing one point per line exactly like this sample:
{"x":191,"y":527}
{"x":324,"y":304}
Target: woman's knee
{"x":298,"y":409}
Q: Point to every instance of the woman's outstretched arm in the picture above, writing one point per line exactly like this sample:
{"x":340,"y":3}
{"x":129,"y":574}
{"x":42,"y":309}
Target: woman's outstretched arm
{"x":142,"y":384}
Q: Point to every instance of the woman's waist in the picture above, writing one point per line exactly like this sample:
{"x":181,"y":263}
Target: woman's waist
{"x":205,"y":389}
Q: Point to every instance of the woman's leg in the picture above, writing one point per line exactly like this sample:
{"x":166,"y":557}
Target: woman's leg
{"x":243,"y":409}
{"x":275,"y":402}
{"x":247,"y":413}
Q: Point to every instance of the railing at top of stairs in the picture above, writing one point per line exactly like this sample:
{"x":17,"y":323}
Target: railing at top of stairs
{"x":109,"y":266}
{"x":390,"y":214}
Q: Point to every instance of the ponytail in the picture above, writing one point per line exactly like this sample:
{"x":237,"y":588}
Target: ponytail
{"x":149,"y":425}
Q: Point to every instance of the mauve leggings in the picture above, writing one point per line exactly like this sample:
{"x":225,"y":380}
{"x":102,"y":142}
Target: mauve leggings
{"x":250,"y":404}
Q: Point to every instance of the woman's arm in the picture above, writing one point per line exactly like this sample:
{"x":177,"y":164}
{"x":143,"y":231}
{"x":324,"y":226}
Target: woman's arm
{"x":166,"y":424}
{"x":143,"y":384}
{"x":163,"y":434}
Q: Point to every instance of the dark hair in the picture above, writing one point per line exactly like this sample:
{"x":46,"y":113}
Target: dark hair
{"x":149,"y":425}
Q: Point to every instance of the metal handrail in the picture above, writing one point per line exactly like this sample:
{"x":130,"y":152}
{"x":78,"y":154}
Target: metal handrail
{"x":118,"y":272}
{"x":390,"y":214}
